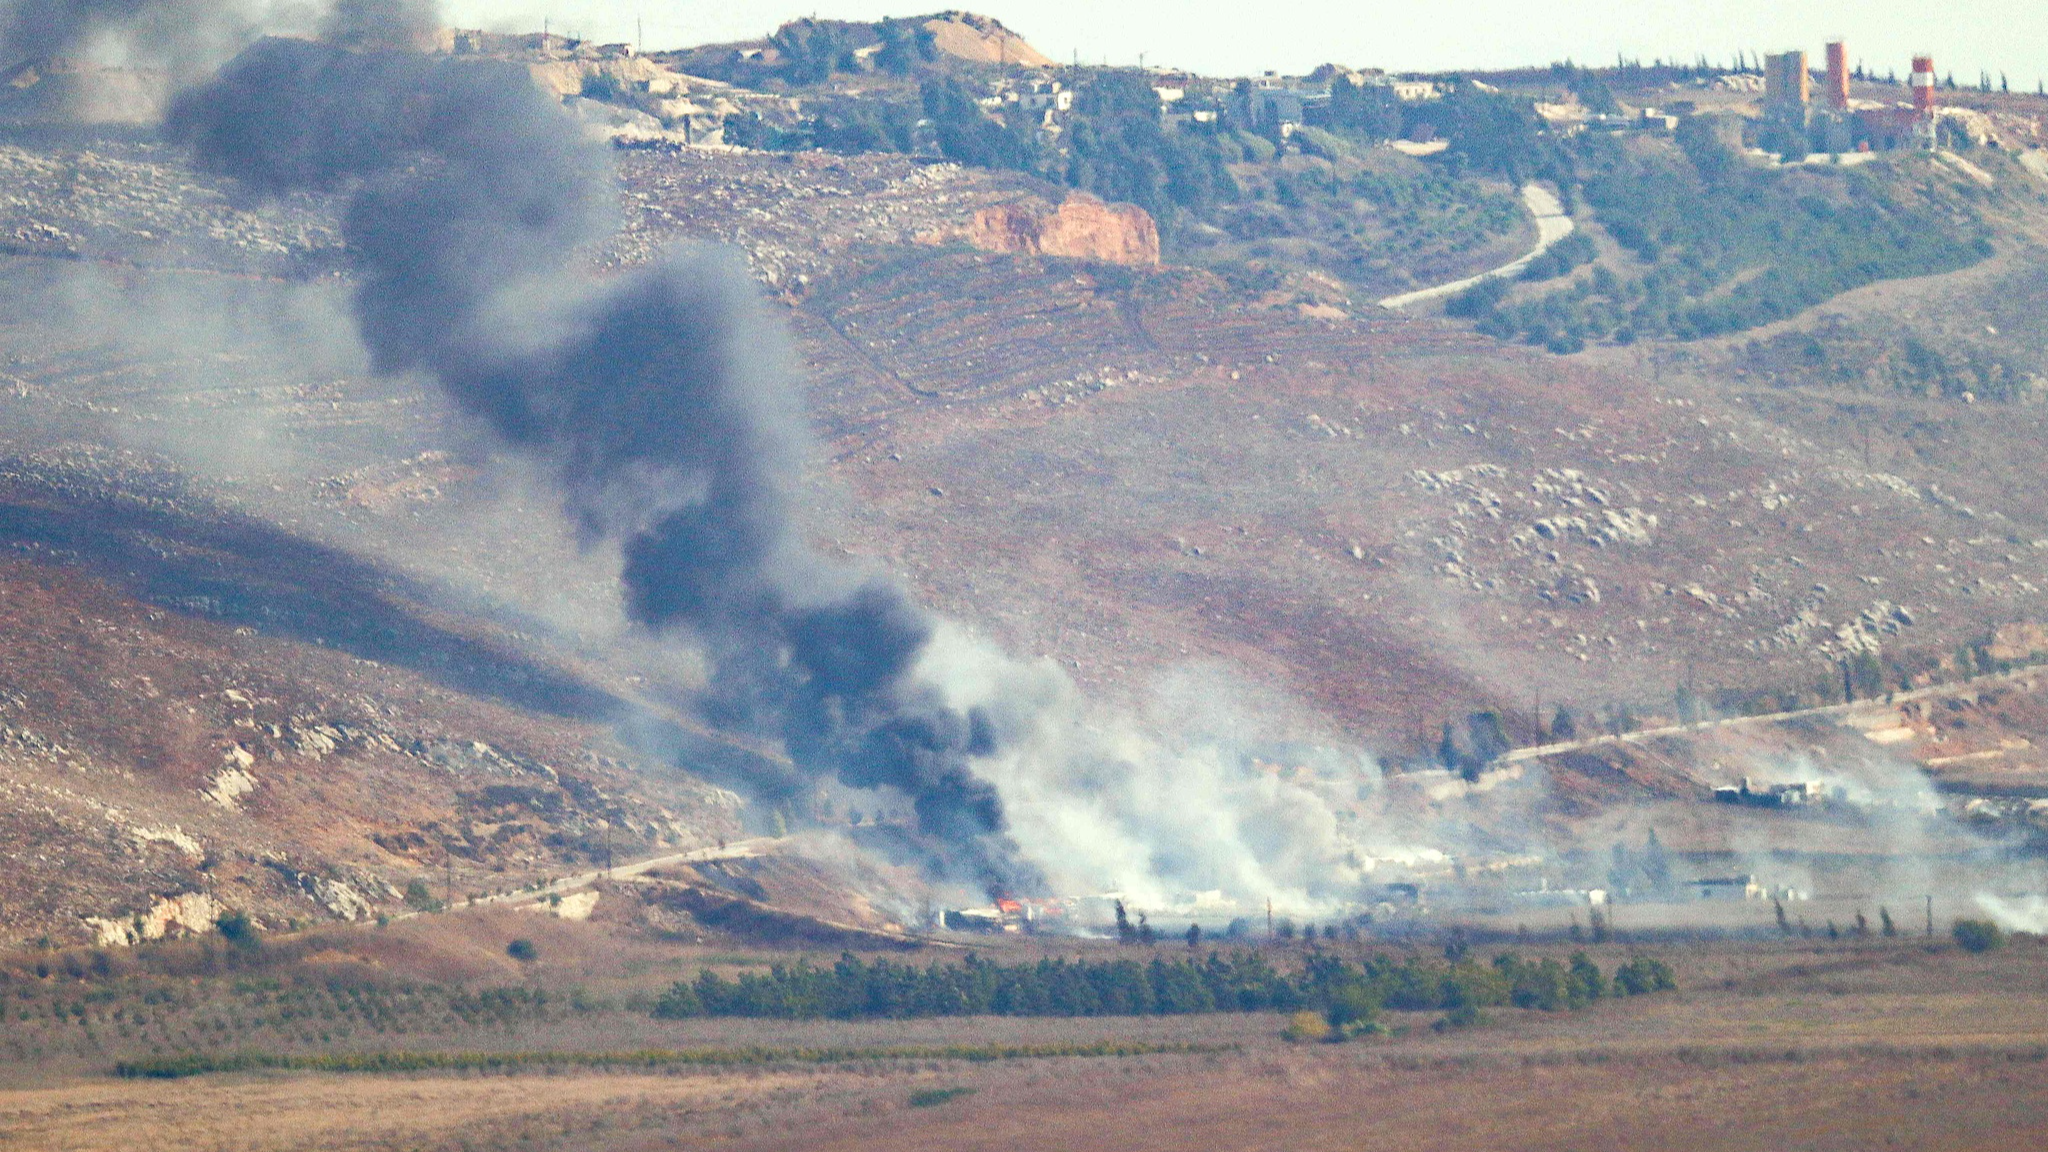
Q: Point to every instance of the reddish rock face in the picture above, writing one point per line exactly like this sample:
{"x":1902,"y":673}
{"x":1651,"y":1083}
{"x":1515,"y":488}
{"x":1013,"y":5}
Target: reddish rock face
{"x":1083,"y":228}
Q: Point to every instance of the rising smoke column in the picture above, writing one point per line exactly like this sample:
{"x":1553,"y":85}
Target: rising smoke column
{"x":661,"y":399}
{"x":186,"y":37}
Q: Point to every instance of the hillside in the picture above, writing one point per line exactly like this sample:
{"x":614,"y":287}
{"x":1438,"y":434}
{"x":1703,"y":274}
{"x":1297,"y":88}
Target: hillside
{"x":1409,"y":512}
{"x":558,"y":597}
{"x":358,"y":642}
{"x":811,"y":49}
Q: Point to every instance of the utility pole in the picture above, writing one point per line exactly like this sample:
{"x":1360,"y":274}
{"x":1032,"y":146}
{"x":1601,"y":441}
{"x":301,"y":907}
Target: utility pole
{"x":1269,"y":918}
{"x":1930,"y":915}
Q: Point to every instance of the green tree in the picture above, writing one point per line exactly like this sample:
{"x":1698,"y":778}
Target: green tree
{"x":1490,"y":131}
{"x":1978,"y":935}
{"x":1688,"y":704}
{"x":237,"y":929}
{"x":905,"y":45}
{"x":967,"y":135}
{"x":1584,"y":982}
{"x":1118,"y":92}
{"x":812,"y":50}
{"x":1370,"y":112}
{"x":1642,"y":975}
{"x":1656,"y":863}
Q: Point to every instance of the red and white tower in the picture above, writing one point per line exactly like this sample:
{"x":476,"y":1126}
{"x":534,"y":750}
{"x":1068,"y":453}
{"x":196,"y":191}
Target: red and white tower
{"x":1922,"y":83}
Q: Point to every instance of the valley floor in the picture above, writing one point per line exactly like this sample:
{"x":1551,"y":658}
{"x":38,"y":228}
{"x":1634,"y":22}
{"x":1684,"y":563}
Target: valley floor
{"x":1770,"y":1044}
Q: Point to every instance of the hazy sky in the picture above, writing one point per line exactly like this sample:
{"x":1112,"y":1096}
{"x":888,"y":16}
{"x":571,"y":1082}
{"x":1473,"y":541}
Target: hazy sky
{"x":1295,"y":35}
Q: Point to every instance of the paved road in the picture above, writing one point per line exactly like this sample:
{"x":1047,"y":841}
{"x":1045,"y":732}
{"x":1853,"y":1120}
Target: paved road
{"x":1552,"y":225}
{"x":737,"y":850}
{"x":1538,"y":751}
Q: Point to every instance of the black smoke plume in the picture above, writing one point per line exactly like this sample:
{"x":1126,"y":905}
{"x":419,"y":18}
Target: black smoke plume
{"x":185,"y":36}
{"x":662,"y":399}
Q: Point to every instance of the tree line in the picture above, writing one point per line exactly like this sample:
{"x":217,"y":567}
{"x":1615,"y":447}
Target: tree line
{"x":1348,"y":992}
{"x":1728,"y":247}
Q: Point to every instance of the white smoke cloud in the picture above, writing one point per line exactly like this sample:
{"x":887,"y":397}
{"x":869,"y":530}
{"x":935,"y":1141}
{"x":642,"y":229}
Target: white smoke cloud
{"x":1210,"y":789}
{"x":2020,"y":914}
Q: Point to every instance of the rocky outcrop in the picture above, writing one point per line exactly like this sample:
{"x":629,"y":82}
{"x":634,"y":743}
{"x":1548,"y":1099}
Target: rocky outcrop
{"x":1082,"y":227}
{"x":190,"y":914}
{"x":2019,"y":641}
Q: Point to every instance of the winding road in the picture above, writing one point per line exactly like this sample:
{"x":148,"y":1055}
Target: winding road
{"x":1892,"y":701}
{"x":1552,"y":225}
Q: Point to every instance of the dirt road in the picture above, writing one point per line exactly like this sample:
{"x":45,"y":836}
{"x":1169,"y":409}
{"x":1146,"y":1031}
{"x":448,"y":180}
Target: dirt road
{"x":1552,"y":225}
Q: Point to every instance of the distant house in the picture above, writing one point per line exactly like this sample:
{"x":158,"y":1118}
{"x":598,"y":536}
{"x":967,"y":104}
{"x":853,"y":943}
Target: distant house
{"x":1798,"y":795}
{"x":975,"y":920}
{"x":1742,"y":887}
{"x":1045,"y":96}
{"x":1271,"y":104}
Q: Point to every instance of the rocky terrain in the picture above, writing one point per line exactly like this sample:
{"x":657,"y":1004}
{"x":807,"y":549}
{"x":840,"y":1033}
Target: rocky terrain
{"x":290,"y":635}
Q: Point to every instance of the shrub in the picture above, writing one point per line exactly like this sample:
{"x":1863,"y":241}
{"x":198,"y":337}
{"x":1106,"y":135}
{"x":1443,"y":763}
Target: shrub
{"x":1978,"y":935}
{"x":1352,"y":1009}
{"x":1479,"y":300}
{"x":1328,"y":145}
{"x":1306,"y":1028}
{"x":419,"y":898}
{"x":930,"y":1097}
{"x":237,"y":929}
{"x":1573,"y":251}
{"x":521,"y":950}
{"x":1463,"y":1016}
{"x":1643,"y":975}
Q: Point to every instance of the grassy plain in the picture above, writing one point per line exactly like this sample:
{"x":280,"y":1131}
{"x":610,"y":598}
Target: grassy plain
{"x":1778,"y":1044}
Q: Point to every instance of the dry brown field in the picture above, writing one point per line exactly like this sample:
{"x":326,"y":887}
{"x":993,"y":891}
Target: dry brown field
{"x":1768,"y":1044}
